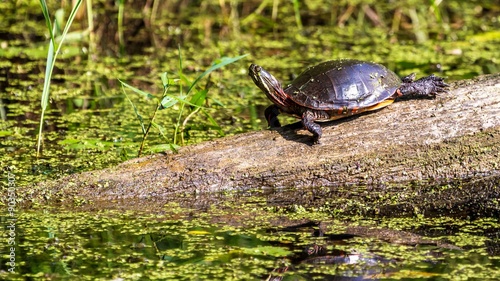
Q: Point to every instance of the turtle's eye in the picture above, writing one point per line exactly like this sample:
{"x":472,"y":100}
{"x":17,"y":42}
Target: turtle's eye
{"x":258,"y":68}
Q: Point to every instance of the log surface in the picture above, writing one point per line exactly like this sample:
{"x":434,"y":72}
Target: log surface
{"x":453,"y":139}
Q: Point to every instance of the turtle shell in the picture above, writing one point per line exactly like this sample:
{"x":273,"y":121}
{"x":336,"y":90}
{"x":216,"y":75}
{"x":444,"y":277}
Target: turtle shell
{"x":343,"y":84}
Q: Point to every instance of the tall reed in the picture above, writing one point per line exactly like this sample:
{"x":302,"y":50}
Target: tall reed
{"x":51,"y":60}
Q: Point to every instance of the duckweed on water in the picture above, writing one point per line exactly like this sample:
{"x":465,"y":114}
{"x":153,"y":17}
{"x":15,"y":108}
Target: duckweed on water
{"x":109,"y":245}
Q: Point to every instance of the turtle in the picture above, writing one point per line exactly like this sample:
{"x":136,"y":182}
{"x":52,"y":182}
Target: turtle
{"x":337,"y":89}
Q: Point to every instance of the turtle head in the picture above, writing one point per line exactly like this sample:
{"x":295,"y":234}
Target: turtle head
{"x":268,"y":84}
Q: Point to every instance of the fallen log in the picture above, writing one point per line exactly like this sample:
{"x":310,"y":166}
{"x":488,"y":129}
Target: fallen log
{"x":423,"y":156}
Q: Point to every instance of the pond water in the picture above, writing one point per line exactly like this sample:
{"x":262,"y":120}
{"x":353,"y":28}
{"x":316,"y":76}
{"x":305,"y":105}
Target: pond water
{"x":109,"y":245}
{"x":90,"y":124}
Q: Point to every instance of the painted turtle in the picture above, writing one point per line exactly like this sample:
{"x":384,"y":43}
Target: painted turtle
{"x":338,"y":88}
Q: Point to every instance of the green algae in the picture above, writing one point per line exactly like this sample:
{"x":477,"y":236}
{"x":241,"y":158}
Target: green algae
{"x":247,"y":245}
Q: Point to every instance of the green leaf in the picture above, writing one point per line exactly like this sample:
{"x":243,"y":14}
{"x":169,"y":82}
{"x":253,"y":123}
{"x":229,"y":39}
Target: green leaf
{"x":140,"y":92}
{"x":168,"y":101}
{"x":182,"y":100}
{"x":160,"y":128}
{"x":68,"y":24}
{"x":48,"y":74}
{"x":199,"y":98}
{"x":222,"y":62}
{"x":59,"y":21}
{"x":51,"y":58}
{"x":183,"y":78}
{"x":45,"y":11}
{"x":137,"y":114}
{"x":214,"y":123}
{"x":217,"y":102}
{"x":164,"y":80}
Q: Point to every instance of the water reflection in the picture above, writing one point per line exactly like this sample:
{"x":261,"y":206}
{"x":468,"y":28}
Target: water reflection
{"x":119,"y":245}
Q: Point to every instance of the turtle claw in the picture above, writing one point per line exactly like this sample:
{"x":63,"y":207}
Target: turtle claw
{"x":428,"y":86}
{"x":434,"y":85}
{"x":410,"y":78}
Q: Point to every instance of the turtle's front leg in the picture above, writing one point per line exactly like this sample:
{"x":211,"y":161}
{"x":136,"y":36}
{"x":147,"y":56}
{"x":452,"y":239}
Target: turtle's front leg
{"x":308,"y":121}
{"x":271,"y":114}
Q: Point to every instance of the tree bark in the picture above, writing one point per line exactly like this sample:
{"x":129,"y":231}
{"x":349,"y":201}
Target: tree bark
{"x":422,"y":156}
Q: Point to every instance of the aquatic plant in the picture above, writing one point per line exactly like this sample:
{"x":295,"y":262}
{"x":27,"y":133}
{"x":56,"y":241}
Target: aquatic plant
{"x":193,"y":97}
{"x":52,"y":56}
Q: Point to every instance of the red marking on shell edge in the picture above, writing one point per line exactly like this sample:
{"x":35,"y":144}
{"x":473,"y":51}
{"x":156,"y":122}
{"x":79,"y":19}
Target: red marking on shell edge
{"x":354,"y":110}
{"x":398,"y":92}
{"x":340,"y":111}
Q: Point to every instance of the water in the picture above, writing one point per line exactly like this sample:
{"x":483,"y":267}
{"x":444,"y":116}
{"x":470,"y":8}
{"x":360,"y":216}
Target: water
{"x":108,"y":245}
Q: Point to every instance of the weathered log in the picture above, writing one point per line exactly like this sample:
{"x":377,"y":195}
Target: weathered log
{"x":415,"y":156}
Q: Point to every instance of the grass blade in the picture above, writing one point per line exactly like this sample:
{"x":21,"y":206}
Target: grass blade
{"x":223,"y":62}
{"x":45,"y":12}
{"x":140,"y":92}
{"x":137,"y":114}
{"x":214,"y":123}
{"x":48,"y":73}
{"x":51,"y":59}
{"x":182,"y":100}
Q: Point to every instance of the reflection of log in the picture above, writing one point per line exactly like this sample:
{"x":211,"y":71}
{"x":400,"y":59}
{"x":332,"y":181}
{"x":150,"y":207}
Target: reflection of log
{"x":414,"y":156}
